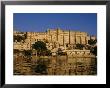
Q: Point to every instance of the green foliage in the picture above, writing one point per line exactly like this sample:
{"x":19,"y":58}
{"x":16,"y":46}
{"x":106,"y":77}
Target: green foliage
{"x":39,"y":46}
{"x":92,"y":42}
{"x":19,"y":38}
{"x":48,"y":53}
{"x":94,"y":50}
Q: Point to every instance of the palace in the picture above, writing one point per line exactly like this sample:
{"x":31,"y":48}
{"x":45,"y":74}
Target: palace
{"x":75,"y":62}
{"x":54,"y":38}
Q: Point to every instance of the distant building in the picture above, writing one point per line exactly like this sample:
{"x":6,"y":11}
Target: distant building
{"x":53,"y":37}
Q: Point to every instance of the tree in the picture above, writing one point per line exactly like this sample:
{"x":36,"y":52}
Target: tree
{"x":92,"y":42}
{"x":94,"y":50}
{"x":19,"y":38}
{"x":40,"y":47}
{"x":48,"y":53}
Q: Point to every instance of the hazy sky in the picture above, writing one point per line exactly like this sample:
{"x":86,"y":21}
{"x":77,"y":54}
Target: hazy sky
{"x":39,"y":22}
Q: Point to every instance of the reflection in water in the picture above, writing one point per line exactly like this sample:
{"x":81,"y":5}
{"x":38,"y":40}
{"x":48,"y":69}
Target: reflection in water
{"x":62,"y":65}
{"x":55,"y":65}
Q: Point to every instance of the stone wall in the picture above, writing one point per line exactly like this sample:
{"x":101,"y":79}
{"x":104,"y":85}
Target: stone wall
{"x":61,"y":37}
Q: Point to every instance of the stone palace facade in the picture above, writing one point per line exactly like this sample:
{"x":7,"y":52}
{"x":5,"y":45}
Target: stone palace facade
{"x":56,"y":37}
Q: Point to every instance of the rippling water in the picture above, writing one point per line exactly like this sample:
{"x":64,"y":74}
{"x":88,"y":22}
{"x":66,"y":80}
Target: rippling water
{"x":57,"y":65}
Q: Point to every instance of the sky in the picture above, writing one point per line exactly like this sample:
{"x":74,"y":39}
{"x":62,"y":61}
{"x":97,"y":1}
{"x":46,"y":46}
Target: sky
{"x":40,"y":22}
